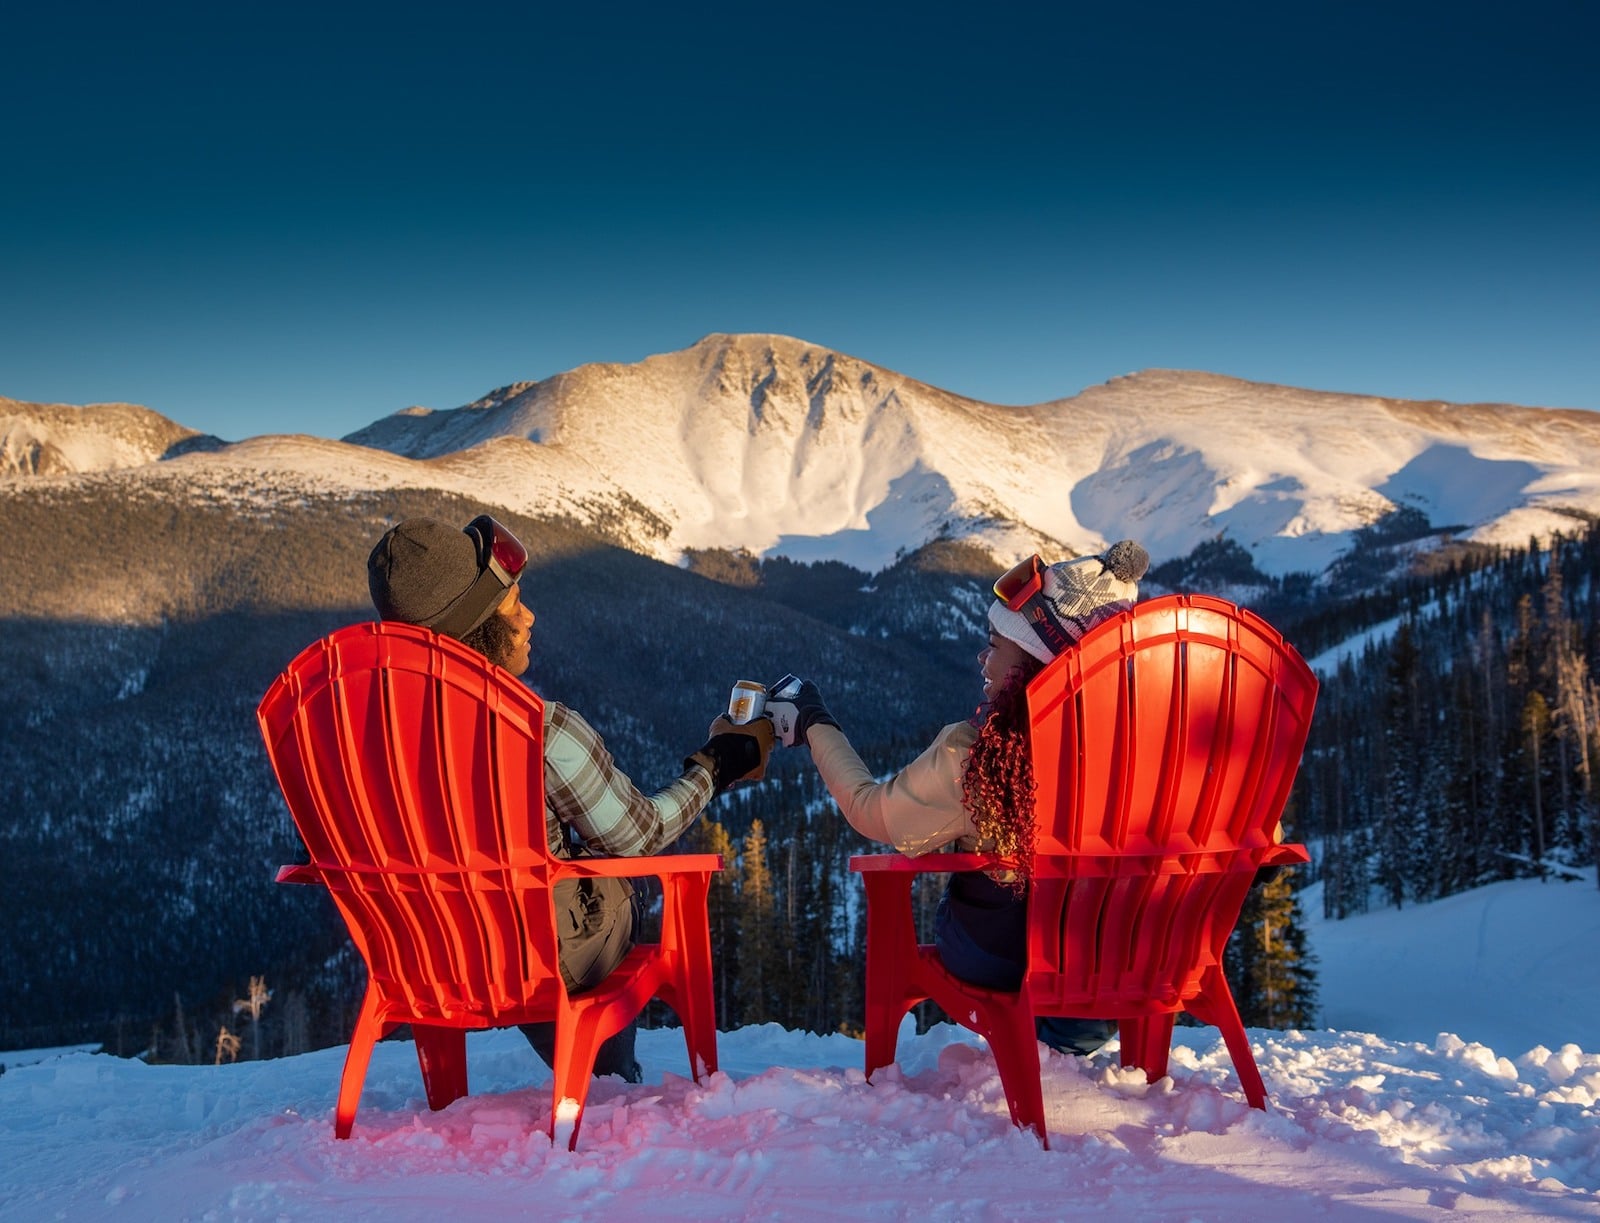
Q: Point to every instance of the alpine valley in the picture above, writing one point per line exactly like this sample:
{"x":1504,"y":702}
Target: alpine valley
{"x":750,"y":505}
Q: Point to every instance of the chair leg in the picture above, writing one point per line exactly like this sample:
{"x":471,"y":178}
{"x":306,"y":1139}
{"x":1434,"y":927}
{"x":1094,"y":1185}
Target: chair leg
{"x":691,"y":974}
{"x":1147,"y":1043}
{"x":1009,"y":1031}
{"x":891,"y":990}
{"x":697,"y":1016}
{"x":1215,"y":1006}
{"x":577,"y":1041}
{"x":883,"y":1034}
{"x":369,"y":1028}
{"x":442,"y":1054}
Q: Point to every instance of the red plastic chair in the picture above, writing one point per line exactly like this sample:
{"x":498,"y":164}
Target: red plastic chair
{"x":1164,"y":749}
{"x":414,"y":772}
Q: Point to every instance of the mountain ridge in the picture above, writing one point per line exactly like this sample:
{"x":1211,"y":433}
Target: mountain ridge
{"x":45,"y":439}
{"x":779,"y":447}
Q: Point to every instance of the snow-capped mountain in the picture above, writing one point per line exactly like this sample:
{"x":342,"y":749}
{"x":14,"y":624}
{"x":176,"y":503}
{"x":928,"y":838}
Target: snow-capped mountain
{"x":780,"y":446}
{"x":786,"y":448}
{"x":50,"y":439}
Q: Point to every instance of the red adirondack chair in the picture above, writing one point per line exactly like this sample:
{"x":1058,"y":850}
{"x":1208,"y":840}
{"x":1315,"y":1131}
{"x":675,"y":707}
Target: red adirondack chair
{"x":1164,"y":748}
{"x":414,"y":772}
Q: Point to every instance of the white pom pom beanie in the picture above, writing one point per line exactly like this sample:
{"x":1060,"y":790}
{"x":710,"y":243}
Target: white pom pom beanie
{"x":1081,"y":593}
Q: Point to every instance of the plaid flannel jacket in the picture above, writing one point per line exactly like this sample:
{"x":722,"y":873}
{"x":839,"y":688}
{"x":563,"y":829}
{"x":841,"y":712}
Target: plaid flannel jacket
{"x":584,"y":790}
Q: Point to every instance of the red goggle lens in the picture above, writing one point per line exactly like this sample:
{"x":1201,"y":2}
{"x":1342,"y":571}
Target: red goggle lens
{"x":508,"y":550}
{"x":497,"y":545}
{"x":1020,"y":583}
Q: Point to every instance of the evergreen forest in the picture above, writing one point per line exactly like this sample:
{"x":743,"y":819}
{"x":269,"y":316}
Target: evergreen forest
{"x":1454,"y":744}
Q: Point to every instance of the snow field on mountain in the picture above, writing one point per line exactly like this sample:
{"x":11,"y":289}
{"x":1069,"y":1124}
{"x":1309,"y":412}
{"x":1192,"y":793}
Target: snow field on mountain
{"x":781,"y":447}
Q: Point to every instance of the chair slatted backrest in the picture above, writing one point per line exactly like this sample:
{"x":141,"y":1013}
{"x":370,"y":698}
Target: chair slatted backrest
{"x":1164,"y":750}
{"x":414,"y":773}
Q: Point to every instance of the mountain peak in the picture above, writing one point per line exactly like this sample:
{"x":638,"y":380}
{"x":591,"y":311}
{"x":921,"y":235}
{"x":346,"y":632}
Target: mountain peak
{"x":780,"y":446}
{"x":55,"y":439}
{"x":777,"y":446}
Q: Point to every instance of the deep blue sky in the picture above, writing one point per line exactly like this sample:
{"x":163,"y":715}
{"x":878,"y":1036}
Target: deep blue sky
{"x":260,"y":217}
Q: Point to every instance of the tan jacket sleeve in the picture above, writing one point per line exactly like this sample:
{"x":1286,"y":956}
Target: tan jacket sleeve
{"x":917,"y":810}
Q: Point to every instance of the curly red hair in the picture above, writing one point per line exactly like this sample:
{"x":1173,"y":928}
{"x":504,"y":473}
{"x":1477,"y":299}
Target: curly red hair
{"x":997,"y":782}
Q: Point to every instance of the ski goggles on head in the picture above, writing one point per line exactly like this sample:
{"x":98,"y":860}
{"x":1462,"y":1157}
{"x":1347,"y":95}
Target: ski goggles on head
{"x":499,"y":551}
{"x":501,"y":560}
{"x":1021,"y":589}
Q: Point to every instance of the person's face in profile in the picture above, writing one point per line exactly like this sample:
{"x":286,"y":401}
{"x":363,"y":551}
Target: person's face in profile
{"x":520,"y":652}
{"x":997,"y":660}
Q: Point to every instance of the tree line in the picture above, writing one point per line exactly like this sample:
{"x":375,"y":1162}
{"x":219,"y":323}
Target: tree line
{"x":1456,"y":748}
{"x":1461,"y":748}
{"x":788,"y":935}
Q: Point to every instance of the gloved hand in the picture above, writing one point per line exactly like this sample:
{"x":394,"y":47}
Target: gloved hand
{"x":795,"y":706}
{"x":736,"y":751}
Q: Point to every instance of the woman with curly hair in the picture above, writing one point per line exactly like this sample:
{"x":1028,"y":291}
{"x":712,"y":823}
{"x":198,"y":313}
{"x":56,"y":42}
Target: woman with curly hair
{"x":972,"y":789}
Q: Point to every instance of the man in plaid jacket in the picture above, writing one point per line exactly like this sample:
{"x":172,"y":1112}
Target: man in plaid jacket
{"x":466,"y":584}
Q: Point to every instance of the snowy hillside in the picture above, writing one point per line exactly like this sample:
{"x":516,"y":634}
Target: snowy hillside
{"x":50,"y":439}
{"x":785,"y":448}
{"x":1363,"y":1125}
{"x":780,"y":446}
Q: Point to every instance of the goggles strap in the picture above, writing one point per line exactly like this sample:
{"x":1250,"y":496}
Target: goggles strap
{"x":1026,"y":580}
{"x":472,"y":606}
{"x":1043,"y":621}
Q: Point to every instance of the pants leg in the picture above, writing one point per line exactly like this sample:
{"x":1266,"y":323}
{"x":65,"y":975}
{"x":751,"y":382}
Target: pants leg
{"x":1077,"y":1036}
{"x":615,"y":1055}
{"x":963,"y":956}
{"x":596,"y":931}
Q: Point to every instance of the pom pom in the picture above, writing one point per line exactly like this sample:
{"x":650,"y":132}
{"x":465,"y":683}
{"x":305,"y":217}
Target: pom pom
{"x":1126,"y":560}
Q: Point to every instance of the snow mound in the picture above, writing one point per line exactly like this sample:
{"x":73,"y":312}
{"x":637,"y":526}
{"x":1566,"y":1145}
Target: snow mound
{"x":1360,"y":1127}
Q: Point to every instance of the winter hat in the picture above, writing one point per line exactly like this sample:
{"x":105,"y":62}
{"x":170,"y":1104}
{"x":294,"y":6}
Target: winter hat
{"x":425,"y":572}
{"x":1080,"y":594}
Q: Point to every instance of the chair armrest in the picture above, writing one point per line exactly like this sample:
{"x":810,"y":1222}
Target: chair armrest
{"x":632,"y":868}
{"x":929,"y":864}
{"x":663,"y":865}
{"x":1285,"y":855}
{"x":1074,"y":866}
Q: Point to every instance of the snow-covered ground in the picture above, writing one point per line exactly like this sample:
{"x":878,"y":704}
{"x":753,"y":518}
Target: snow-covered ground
{"x":1405,"y":1119}
{"x":1511,"y":966}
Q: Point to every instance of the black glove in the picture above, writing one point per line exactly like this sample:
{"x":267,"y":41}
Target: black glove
{"x":795,"y":706}
{"x":735,"y":751}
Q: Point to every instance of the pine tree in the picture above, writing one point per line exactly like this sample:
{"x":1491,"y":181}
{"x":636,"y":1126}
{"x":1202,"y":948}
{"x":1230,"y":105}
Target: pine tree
{"x":1574,"y":716}
{"x":1289,"y":976}
{"x":710,"y":837}
{"x":1270,"y":966}
{"x":757,"y":962}
{"x":294,"y":1036}
{"x":1401,"y":797}
{"x":791,"y":907}
{"x":1466,"y":746}
{"x":812,"y":931}
{"x":183,"y":1047}
{"x":1535,"y":726}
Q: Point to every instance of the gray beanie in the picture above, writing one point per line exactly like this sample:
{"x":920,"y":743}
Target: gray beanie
{"x":425,"y":572}
{"x":1081,"y":593}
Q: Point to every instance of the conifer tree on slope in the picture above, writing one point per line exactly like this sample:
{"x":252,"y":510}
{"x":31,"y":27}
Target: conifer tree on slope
{"x":757,"y":959}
